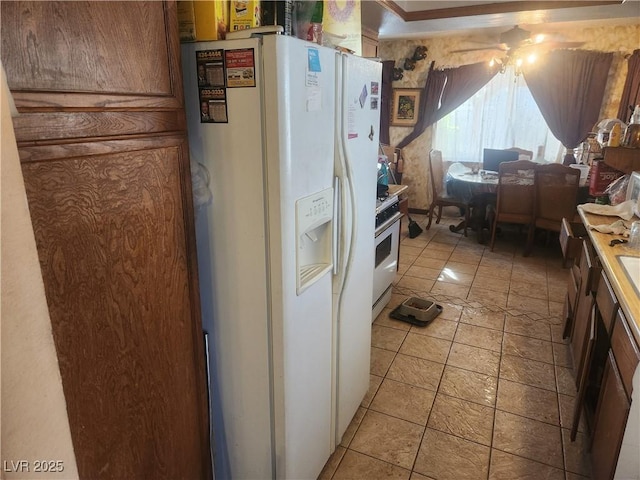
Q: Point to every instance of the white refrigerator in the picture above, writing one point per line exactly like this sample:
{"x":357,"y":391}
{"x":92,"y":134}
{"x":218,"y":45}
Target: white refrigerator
{"x":289,"y":136}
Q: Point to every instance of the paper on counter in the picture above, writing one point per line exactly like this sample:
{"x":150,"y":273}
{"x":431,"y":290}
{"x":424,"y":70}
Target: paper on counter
{"x":623,"y":210}
{"x":619,"y":227}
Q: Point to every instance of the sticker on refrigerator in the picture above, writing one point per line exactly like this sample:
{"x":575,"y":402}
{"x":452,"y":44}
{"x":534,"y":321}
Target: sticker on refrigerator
{"x":314,"y":99}
{"x":374,"y":103}
{"x":241,"y":68}
{"x":213,"y":105}
{"x":363,"y":96}
{"x":375,"y":87}
{"x":351,"y":122}
{"x":210,"y":64}
{"x":313,"y":68}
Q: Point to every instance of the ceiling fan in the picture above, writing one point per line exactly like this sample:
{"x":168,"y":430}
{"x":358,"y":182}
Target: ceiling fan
{"x":518,"y":38}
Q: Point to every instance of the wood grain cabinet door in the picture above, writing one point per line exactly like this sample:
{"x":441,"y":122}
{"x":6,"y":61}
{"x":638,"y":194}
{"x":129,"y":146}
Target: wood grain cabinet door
{"x":611,"y":419}
{"x":102,"y":141}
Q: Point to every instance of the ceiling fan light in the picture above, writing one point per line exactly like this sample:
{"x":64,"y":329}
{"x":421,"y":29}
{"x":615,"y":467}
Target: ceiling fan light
{"x":492,"y":63}
{"x":539,"y":38}
{"x":518,"y":62}
{"x":532,"y":58}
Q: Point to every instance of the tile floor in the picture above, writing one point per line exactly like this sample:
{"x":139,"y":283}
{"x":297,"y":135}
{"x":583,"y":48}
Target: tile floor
{"x":486,"y":390}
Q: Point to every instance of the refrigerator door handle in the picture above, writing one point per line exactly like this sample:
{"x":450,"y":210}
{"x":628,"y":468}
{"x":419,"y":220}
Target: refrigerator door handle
{"x":336,"y":223}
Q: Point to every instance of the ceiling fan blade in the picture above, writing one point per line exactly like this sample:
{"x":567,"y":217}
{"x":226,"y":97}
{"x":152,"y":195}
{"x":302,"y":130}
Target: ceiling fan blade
{"x":496,"y":47}
{"x":551,"y":45}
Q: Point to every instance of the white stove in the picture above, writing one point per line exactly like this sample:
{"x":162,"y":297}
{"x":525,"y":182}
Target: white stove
{"x":387,"y":240}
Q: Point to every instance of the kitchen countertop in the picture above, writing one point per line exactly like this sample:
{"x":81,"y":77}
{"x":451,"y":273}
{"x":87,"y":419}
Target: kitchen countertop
{"x":397,"y":189}
{"x":626,"y":293}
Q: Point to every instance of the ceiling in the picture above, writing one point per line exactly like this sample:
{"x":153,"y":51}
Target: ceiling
{"x":422,"y":19}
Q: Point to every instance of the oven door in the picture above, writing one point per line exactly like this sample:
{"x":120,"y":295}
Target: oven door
{"x":386,"y":259}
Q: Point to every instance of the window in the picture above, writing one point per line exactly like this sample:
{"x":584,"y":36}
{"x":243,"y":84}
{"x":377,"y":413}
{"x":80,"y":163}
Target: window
{"x":501,"y":115}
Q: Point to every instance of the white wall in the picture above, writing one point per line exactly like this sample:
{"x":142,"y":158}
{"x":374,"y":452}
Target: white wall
{"x":35,"y":425}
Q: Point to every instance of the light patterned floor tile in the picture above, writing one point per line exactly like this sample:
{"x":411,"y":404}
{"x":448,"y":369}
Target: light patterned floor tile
{"x":576,"y":456}
{"x":356,"y":465}
{"x":353,"y":427}
{"x":403,"y":401}
{"x":447,"y":457}
{"x":529,"y":372}
{"x":374,"y":384}
{"x":479,"y":337}
{"x":527,"y":347}
{"x":423,"y":346}
{"x":528,"y":304}
{"x":483,"y":317}
{"x":386,"y":337}
{"x":505,"y":466}
{"x":439,"y":328}
{"x":458,"y":417}
{"x":528,"y":438}
{"x":388,"y":438}
{"x":380,"y":361}
{"x":472,"y":386}
{"x":474,"y":359}
{"x":527,"y":327}
{"x":527,"y":401}
{"x":416,"y":371}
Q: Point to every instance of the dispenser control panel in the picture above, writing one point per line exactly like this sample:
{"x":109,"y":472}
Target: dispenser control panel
{"x":314,"y":222}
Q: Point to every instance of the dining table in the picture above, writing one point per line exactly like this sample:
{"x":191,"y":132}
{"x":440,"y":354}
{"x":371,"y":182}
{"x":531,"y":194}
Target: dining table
{"x":476,"y":187}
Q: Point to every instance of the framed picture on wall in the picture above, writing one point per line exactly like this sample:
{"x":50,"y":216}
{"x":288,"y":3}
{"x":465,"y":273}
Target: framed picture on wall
{"x":405,"y":105}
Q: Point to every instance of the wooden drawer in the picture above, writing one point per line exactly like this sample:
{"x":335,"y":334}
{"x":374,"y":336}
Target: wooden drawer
{"x":572,"y":292}
{"x":607,"y":302}
{"x":589,"y":269}
{"x":571,"y":238}
{"x":625,"y":351}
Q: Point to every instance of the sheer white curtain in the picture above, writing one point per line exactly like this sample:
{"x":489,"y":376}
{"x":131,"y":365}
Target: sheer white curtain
{"x":501,"y":115}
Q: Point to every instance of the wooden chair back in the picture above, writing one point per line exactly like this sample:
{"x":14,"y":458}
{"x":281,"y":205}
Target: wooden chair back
{"x":556,"y":193}
{"x":516,"y":192}
{"x":521,"y":152}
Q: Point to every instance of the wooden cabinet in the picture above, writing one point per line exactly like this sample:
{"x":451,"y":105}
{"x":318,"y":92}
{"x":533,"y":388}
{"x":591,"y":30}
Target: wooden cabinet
{"x":102,"y":141}
{"x":625,"y":159}
{"x":369,"y":43}
{"x":625,"y":351}
{"x":611,"y":419}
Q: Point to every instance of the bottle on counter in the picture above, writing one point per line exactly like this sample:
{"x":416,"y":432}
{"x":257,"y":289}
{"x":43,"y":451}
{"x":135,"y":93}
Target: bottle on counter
{"x":631,"y":136}
{"x":614,"y":135}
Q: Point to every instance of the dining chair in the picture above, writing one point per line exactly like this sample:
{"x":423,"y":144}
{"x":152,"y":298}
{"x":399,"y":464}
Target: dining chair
{"x":522,"y":153}
{"x":515,"y":195}
{"x":556,"y":193}
{"x":440,"y":197}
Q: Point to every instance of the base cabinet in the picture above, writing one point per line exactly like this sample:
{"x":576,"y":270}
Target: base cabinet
{"x":610,"y":422}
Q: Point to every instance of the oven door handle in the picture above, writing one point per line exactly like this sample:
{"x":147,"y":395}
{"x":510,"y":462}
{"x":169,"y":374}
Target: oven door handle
{"x":388,"y":223}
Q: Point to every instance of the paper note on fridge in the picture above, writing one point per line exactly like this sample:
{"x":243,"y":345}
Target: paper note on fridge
{"x":314,"y":99}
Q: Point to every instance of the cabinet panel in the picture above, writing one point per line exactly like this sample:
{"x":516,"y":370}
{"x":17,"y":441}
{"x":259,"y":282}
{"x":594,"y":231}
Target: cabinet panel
{"x":607,"y":302}
{"x":583,"y":308}
{"x":111,"y":241}
{"x":611,"y":419}
{"x":87,"y":59}
{"x":625,"y":351}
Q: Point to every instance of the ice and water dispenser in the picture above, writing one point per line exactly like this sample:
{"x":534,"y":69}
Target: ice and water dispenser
{"x":314,"y":235}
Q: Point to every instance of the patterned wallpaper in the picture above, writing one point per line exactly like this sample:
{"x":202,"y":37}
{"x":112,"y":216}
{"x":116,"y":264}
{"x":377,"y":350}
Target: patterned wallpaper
{"x":620,"y":39}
